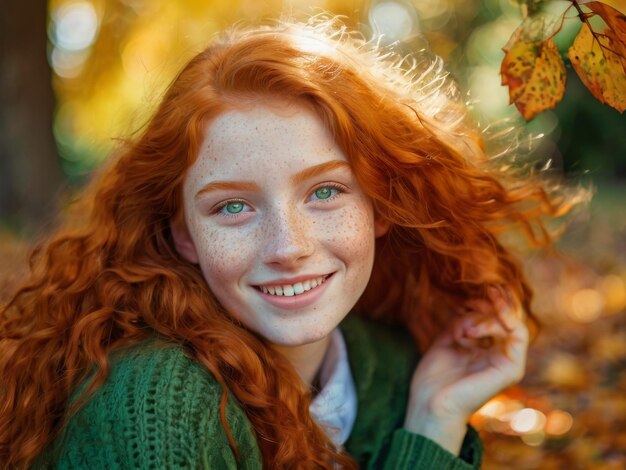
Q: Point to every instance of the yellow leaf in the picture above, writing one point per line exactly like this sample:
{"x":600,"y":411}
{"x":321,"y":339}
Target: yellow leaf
{"x":619,"y":5}
{"x":517,"y":67}
{"x":535,"y":75}
{"x":611,"y":16}
{"x":616,"y":23}
{"x":599,"y":66}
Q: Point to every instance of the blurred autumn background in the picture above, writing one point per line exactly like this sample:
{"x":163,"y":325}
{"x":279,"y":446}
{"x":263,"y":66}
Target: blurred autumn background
{"x":77,"y":74}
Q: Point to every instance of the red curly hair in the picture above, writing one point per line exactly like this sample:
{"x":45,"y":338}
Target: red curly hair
{"x":114,"y":278}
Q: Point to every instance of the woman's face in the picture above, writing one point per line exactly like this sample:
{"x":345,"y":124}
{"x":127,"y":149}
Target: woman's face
{"x":281,"y":230}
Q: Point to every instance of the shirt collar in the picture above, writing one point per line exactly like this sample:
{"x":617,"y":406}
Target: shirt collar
{"x":335,"y":406}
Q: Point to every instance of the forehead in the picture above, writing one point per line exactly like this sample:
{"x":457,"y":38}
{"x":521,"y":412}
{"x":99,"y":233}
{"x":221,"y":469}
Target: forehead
{"x":263,"y":137}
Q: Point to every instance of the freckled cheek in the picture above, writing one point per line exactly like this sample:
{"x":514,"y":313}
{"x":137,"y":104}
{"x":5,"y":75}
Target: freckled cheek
{"x":223,"y":256}
{"x":351,"y":233}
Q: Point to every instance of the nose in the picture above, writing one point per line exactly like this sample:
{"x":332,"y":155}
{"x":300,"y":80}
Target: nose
{"x":289,"y":239}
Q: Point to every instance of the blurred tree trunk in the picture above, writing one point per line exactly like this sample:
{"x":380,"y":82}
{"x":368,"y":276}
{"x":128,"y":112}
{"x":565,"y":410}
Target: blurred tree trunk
{"x":30,"y":173}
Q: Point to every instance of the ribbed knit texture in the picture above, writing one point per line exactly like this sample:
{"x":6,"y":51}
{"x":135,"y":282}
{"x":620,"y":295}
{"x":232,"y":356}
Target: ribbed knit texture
{"x":159,"y":409}
{"x":412,"y":451}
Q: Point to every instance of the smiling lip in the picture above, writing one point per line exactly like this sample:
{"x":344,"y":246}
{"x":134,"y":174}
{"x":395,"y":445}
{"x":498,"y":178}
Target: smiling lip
{"x":298,"y":300}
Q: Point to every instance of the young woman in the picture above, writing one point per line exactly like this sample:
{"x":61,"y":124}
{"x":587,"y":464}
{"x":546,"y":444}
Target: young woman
{"x":248,"y":283}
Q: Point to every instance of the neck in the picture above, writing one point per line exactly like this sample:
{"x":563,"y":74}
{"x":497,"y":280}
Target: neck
{"x":307,"y":358}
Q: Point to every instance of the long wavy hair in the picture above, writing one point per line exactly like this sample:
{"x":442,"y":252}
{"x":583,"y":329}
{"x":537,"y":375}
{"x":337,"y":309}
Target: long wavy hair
{"x":113,"y":278}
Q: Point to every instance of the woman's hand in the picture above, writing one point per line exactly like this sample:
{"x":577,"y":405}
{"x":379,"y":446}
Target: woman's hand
{"x":483,"y":352}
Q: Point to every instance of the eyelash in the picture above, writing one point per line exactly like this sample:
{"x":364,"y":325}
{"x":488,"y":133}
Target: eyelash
{"x":220,"y":208}
{"x":340,"y":188}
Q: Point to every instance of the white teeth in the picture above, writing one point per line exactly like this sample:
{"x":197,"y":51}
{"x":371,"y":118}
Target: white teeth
{"x":295,"y":289}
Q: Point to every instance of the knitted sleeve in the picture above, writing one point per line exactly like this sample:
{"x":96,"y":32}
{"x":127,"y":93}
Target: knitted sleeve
{"x":382,"y":361}
{"x":158,"y":409}
{"x":416,"y":452}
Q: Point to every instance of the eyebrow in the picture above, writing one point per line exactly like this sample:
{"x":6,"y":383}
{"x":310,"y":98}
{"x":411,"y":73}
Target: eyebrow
{"x":299,"y":177}
{"x":316,"y":170}
{"x":227,"y":186}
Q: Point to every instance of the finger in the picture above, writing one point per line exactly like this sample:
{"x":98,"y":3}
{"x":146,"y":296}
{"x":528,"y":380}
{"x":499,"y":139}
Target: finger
{"x":461,"y":325}
{"x":492,"y":328}
{"x":508,"y":310}
{"x":483,"y":322}
{"x":516,"y":345}
{"x":479,"y":332}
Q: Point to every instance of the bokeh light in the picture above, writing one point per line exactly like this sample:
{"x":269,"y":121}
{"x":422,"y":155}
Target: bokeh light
{"x":558,"y":423}
{"x":613,"y":289}
{"x":67,"y":64}
{"x":586,"y":305}
{"x":507,"y":416}
{"x":393,"y":20}
{"x":565,"y":370}
{"x":528,"y":420}
{"x":73,"y":30}
{"x":533,"y":439}
{"x":75,"y":25}
{"x":491,"y":99}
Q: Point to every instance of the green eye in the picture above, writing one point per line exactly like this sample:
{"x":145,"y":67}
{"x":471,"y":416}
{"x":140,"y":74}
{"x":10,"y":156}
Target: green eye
{"x":233,"y":207}
{"x":324,"y":193}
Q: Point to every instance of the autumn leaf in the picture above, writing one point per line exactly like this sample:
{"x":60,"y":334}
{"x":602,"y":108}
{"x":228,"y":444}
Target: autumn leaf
{"x":614,"y":19}
{"x":618,"y":5}
{"x":599,"y":65}
{"x":534,"y":73}
{"x":616,"y":23}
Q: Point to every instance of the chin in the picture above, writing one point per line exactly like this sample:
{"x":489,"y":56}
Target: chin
{"x":298,"y":340}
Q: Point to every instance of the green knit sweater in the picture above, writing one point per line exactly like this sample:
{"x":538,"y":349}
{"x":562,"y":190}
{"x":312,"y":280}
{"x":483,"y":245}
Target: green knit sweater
{"x":160,"y":409}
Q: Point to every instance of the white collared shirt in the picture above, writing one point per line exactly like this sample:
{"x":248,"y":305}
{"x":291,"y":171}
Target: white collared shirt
{"x":335,"y":406}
